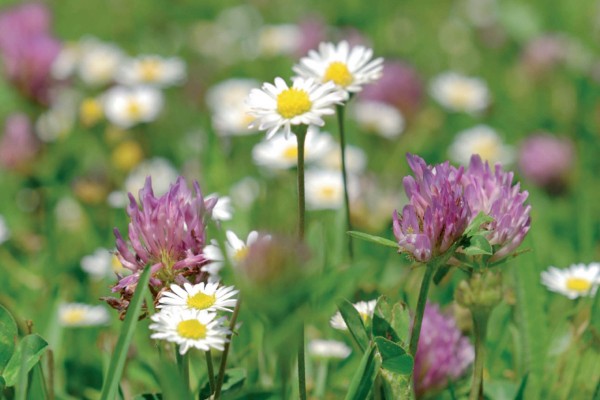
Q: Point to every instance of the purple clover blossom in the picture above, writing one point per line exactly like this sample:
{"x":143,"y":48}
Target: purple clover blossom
{"x":168,"y":233}
{"x":492,"y":192}
{"x":436,"y":215}
{"x":443,"y":353}
{"x":19,"y":145}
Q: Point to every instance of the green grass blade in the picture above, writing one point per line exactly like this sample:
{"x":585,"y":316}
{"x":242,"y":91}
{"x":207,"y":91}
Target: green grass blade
{"x":117,"y":361}
{"x":363,"y":379}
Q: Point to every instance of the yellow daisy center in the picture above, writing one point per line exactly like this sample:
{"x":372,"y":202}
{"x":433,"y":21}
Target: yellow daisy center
{"x":328,"y":192}
{"x":90,"y":111}
{"x":150,"y":70}
{"x":191,"y":329}
{"x":127,"y":155}
{"x":133,"y":109}
{"x":75,"y":316}
{"x":240,"y":254}
{"x":293,"y":102}
{"x":580,"y":285}
{"x":201,"y":301}
{"x":338,"y":73}
{"x":290,"y":153}
{"x":487,"y":148}
{"x":116,"y":264}
{"x":461,"y":94}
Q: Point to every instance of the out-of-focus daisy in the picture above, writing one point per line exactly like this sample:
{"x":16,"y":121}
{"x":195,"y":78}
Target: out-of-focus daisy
{"x":102,"y":263}
{"x":98,"y":61}
{"x":223,"y":210}
{"x":482,"y":140}
{"x":280,"y":152}
{"x":356,"y":159}
{"x":274,"y":40}
{"x":203,"y":296}
{"x":58,"y":121}
{"x":576,"y":281}
{"x":244,"y":192}
{"x":236,"y":249}
{"x":127,"y":155}
{"x":78,"y":314}
{"x":460,"y":93}
{"x":349,"y":68}
{"x":189,"y":328}
{"x":227,"y":102}
{"x":364,"y":308}
{"x":278,"y":107}
{"x":126,"y":107}
{"x":151,"y":70}
{"x":320,"y":348}
{"x":90,"y":111}
{"x":325,"y":189}
{"x":379,"y":118}
{"x":4,"y":231}
{"x":69,"y":214}
{"x":160,"y":169}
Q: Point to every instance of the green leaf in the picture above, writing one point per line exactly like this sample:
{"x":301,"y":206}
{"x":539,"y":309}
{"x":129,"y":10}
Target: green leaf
{"x":479,"y":245}
{"x":8,"y":337}
{"x":401,"y":321}
{"x":2,"y":384}
{"x":117,"y":361}
{"x":148,"y":396}
{"x":365,"y":375}
{"x":28,"y":352}
{"x":521,"y":391}
{"x":355,"y":324}
{"x":234,"y":379}
{"x":382,"y":318}
{"x":475,"y":225}
{"x":373,"y":239}
{"x":394,"y":357}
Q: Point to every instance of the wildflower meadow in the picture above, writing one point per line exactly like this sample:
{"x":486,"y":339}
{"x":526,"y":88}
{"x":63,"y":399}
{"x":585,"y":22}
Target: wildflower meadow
{"x":299,"y":200}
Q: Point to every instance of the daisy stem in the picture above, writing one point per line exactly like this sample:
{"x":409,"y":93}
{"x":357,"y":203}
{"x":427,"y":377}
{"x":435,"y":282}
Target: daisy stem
{"x":221,"y":376}
{"x":480,"y":321}
{"x":183,"y":362}
{"x":416,"y":330}
{"x":321,"y":383}
{"x":340,"y":118}
{"x":211,"y":371}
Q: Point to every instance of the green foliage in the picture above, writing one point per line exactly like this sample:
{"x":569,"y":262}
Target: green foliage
{"x":355,"y":324}
{"x":27,"y":354}
{"x":363,"y":379}
{"x":8,"y":337}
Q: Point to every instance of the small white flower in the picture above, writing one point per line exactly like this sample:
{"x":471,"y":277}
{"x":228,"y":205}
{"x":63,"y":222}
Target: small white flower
{"x":460,"y":93}
{"x":325,"y":189}
{"x":190,"y":328}
{"x":203,"y":296}
{"x":151,"y":70}
{"x":278,"y":107}
{"x":320,"y":348}
{"x":481,"y":140}
{"x":280,"y":152}
{"x":78,"y":314}
{"x":227,"y":103}
{"x":59,"y":120}
{"x":349,"y":68}
{"x":576,"y":281}
{"x":223,"y":210}
{"x":102,"y":263}
{"x":236,"y":251}
{"x":4,"y":231}
{"x":274,"y":40}
{"x":379,"y":117}
{"x":65,"y":64}
{"x":356,"y":159}
{"x":126,"y":107}
{"x":98,"y":61}
{"x":364,"y":308}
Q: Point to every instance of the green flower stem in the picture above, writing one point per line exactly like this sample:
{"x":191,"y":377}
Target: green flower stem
{"x":301,"y":135}
{"x":221,"y":376}
{"x":210,"y":370}
{"x":321,"y":383}
{"x":340,"y":118}
{"x":480,"y":321}
{"x":416,"y":330}
{"x":183,"y":364}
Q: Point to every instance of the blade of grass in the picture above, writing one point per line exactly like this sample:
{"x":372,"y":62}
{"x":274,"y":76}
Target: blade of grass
{"x":117,"y":361}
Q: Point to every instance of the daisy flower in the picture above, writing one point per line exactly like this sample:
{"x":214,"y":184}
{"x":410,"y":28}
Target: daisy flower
{"x":280,"y":152}
{"x":482,"y":140}
{"x":356,"y":159}
{"x":126,"y":107}
{"x":576,"y":281}
{"x":227,"y":103}
{"x":325,"y":189}
{"x":278,"y":107}
{"x":190,"y":328}
{"x":349,"y":68}
{"x":78,"y":314}
{"x":460,"y":93}
{"x":151,"y":70}
{"x":203,"y":296}
{"x":364,"y":308}
{"x":321,"y":348}
{"x":98,"y":61}
{"x":379,"y":118}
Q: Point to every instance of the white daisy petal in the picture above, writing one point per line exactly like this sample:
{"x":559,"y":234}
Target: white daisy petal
{"x":578,"y":280}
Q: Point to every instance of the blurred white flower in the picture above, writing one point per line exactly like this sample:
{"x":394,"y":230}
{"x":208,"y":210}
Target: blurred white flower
{"x":356,"y":159}
{"x":325,"y":189}
{"x":126,"y":107}
{"x":320,"y":348}
{"x":67,"y":61}
{"x":460,"y":93}
{"x":482,"y":140}
{"x":227,"y":103}
{"x":223,"y":210}
{"x":78,"y":314}
{"x":59,"y":120}
{"x":579,"y":280}
{"x":4,"y":231}
{"x":365,"y":310}
{"x":236,"y":249}
{"x":379,"y":118}
{"x":102,"y":263}
{"x":98,"y":61}
{"x":274,"y":40}
{"x":151,"y":70}
{"x":280,"y":152}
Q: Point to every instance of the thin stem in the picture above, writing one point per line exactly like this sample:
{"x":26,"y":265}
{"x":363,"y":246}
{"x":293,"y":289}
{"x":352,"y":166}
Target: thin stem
{"x":221,"y":376}
{"x":211,"y":371}
{"x":301,"y":135}
{"x":301,"y":366}
{"x":416,"y":330}
{"x":340,"y":118}
{"x":183,"y":362}
{"x":480,"y":321}
{"x":321,"y":383}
